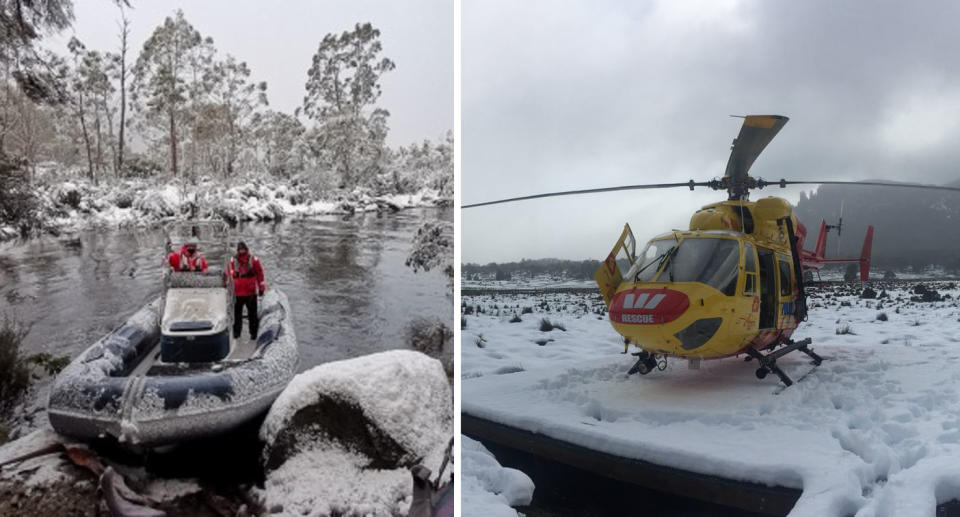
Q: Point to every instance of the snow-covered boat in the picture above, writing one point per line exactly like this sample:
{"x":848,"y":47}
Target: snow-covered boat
{"x":176,"y":374}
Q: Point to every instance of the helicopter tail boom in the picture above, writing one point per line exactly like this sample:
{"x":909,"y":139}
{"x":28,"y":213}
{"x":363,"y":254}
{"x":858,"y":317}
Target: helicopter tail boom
{"x":821,"y":249}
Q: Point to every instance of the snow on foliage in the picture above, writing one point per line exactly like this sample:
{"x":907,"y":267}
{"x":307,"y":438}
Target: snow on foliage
{"x":78,"y":204}
{"x":487,"y":488}
{"x":432,"y":248}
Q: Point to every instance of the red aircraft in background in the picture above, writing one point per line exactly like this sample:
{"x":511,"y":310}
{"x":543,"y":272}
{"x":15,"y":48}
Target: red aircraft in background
{"x":816,"y":259}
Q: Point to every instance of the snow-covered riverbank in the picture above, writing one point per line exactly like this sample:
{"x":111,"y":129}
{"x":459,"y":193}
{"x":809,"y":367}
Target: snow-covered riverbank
{"x":342,"y":439}
{"x":67,"y":206}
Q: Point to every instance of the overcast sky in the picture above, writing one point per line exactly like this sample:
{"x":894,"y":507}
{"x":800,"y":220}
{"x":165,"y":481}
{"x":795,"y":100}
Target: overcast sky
{"x":278,"y":40}
{"x":561,"y":95}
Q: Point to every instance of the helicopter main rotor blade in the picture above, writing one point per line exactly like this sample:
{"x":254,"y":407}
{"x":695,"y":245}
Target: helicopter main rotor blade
{"x":867,"y":183}
{"x":690,"y":184}
{"x":757,"y":131}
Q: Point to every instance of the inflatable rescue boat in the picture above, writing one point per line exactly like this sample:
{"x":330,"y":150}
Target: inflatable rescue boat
{"x":172,"y":372}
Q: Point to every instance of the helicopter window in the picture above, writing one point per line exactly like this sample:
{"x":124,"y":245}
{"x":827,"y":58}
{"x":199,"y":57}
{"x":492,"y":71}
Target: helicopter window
{"x":630,"y":246}
{"x":711,"y":261}
{"x":749,"y":258}
{"x":750,"y":270}
{"x":623,"y":260}
{"x":785,"y":288}
{"x":647,"y":263}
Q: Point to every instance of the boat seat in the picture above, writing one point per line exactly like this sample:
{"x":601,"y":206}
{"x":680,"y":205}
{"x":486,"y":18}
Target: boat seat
{"x":186,"y":326}
{"x":193,"y":279}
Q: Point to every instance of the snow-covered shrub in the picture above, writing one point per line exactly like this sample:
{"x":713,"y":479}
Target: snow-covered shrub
{"x":165,"y":202}
{"x":140,"y":166}
{"x":925,"y":294}
{"x":14,"y":369}
{"x":434,"y":338}
{"x":19,"y":204}
{"x":68,"y":194}
{"x":431,"y":248}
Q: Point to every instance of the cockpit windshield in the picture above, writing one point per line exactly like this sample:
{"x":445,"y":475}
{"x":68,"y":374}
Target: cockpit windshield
{"x":712,"y":261}
{"x":649,"y":260}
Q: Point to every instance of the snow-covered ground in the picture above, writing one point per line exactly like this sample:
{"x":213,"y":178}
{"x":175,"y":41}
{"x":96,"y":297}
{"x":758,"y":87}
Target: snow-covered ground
{"x":535,"y":282}
{"x":830,"y":273}
{"x":487,"y":489}
{"x":875,"y":430}
{"x":74,"y":205}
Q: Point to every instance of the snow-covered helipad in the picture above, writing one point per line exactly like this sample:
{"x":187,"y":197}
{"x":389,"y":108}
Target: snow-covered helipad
{"x":874,"y":430}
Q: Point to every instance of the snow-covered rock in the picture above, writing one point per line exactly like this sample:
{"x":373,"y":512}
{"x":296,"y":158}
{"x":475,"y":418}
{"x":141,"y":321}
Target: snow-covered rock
{"x":342,"y":437}
{"x":487,"y":488}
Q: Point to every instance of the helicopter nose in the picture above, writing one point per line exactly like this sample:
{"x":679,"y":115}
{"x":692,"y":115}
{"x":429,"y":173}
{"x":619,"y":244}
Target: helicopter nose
{"x":648,"y":306}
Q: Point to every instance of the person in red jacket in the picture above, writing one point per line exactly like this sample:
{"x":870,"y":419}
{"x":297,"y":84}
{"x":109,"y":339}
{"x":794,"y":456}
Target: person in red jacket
{"x":188,"y":258}
{"x":247,"y":274}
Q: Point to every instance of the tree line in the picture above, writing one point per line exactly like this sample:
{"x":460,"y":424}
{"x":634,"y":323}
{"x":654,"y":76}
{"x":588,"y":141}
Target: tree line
{"x":179,"y":106}
{"x":573,"y":269}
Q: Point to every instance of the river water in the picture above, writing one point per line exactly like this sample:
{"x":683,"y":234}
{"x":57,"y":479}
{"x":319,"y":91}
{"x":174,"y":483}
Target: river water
{"x":349,"y":289}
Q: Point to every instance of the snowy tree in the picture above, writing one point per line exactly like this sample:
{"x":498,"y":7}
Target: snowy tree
{"x":427,"y":164}
{"x":121,"y":73}
{"x":90,"y":96}
{"x":22,"y":25}
{"x":343,"y":86}
{"x":78,"y":98}
{"x":33,"y":128}
{"x":162,"y":80}
{"x":279,"y":139}
{"x":237,"y":100}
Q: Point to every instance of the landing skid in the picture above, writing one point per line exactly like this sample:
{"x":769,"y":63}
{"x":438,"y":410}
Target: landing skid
{"x":768,"y":362}
{"x":646,"y":362}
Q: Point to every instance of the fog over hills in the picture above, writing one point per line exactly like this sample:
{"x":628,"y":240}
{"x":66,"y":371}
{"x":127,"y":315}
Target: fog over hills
{"x":911,"y":226}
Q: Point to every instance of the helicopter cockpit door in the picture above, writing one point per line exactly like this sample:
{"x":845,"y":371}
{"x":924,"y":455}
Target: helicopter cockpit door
{"x":619,"y":261}
{"x":768,"y":289}
{"x":786,"y":302}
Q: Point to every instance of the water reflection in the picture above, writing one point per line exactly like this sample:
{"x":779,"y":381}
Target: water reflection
{"x":348,"y":286}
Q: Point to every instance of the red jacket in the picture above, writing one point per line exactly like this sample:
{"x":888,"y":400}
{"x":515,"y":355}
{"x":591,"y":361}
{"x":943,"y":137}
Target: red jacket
{"x":247,"y":275}
{"x":180,"y":261}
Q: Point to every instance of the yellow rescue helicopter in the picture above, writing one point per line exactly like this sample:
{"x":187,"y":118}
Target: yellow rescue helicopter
{"x":732,"y":283}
